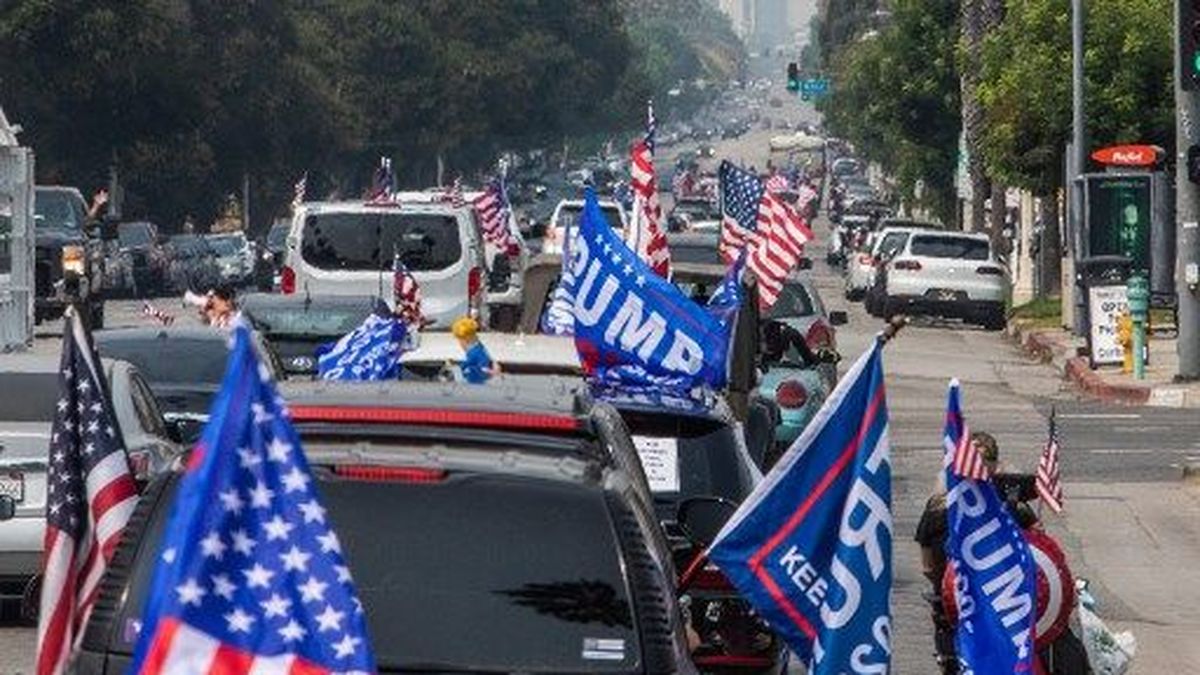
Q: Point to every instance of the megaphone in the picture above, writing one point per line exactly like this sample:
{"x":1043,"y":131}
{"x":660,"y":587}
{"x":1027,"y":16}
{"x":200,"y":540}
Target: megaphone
{"x":195,"y":300}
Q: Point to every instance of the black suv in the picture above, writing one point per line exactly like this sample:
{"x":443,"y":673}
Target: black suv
{"x":488,"y":530}
{"x":68,"y":261}
{"x":150,"y":264}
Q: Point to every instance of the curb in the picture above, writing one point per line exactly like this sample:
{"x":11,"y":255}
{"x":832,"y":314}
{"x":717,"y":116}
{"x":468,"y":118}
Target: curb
{"x":1044,"y":347}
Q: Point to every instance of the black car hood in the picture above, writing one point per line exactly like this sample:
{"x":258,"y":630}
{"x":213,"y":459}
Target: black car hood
{"x":58,"y":237}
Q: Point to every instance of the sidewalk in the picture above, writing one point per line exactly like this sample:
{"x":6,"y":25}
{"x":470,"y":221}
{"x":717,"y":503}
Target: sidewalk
{"x":1060,"y":348}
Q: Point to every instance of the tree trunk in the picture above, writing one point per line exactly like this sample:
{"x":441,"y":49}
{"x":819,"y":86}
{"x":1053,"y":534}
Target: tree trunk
{"x":979,"y":17}
{"x":1050,"y":248}
{"x":997,"y":219}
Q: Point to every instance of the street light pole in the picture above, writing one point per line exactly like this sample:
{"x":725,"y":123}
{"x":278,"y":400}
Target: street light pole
{"x":1187,"y":215}
{"x":1075,"y":166}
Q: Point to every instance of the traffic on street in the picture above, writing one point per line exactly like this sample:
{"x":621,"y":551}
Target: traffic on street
{"x":726,"y":358}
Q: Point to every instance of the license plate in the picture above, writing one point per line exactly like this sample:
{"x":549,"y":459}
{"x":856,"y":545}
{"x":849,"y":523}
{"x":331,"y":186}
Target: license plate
{"x":947,"y":296}
{"x":13,"y":485}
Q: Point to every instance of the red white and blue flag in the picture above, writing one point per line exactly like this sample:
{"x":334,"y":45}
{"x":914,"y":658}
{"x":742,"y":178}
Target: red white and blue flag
{"x":300,"y":191}
{"x":495,"y":218}
{"x":771,"y":230}
{"x":811,"y":547}
{"x":250,"y":577}
{"x":406,"y":295}
{"x":1049,"y":483}
{"x":646,"y":237}
{"x":383,"y":183}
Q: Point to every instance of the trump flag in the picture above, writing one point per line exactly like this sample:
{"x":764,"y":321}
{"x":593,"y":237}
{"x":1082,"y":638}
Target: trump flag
{"x":811,"y":548}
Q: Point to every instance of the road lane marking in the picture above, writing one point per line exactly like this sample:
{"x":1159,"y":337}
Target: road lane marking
{"x":1099,"y":416}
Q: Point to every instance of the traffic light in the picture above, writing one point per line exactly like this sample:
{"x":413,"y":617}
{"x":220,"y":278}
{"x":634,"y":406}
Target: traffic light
{"x":1189,"y":44}
{"x":793,"y":73}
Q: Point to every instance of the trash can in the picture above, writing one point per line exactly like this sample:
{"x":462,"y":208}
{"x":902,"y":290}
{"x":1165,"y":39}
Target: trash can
{"x":1103,"y":284}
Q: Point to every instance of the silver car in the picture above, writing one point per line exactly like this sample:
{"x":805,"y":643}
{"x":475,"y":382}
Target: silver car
{"x":347,"y":248}
{"x":29,"y":391}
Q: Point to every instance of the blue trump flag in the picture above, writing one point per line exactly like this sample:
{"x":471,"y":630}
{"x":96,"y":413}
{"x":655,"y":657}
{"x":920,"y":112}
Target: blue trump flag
{"x":632,"y":326}
{"x":811,"y":547}
{"x":250,"y":575}
{"x":368,"y":353}
{"x":994,"y":572}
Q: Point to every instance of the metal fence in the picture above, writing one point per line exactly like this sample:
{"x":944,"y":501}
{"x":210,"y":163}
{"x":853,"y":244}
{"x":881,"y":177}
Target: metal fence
{"x":16,"y":247}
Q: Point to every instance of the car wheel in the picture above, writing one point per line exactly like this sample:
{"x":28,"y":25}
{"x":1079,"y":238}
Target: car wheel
{"x":890,"y":309}
{"x":995,"y":319}
{"x":96,"y":315}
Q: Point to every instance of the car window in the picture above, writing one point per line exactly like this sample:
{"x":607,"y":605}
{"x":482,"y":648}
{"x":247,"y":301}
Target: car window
{"x":58,"y":209}
{"x":171,"y":361}
{"x":794,"y":301}
{"x":948,"y":246}
{"x":134,"y":234}
{"x":559,"y":587}
{"x":225,"y":246}
{"x":570,"y":215}
{"x":28,"y":397}
{"x":144,"y":403}
{"x":891,"y":243}
{"x":368,"y":241}
{"x":278,"y":234}
{"x":704,"y":255}
{"x":315,"y":320}
{"x":701,"y":452}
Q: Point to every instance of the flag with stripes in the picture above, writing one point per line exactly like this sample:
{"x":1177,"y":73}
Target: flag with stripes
{"x":455,"y":194}
{"x":777,"y":183}
{"x":301,"y":190}
{"x":964,"y":457}
{"x":250,"y":575}
{"x":1049,"y":487}
{"x":651,"y":127}
{"x":495,"y":218}
{"x":772,"y":231}
{"x":383,"y":183}
{"x":406,"y":295}
{"x":151,"y":312}
{"x":90,"y":493}
{"x":645,"y":236}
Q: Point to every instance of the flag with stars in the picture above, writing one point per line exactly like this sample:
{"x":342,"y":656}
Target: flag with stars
{"x":90,"y":493}
{"x":251,"y":576}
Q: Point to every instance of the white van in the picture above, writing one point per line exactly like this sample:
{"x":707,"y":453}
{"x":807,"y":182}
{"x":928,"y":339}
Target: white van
{"x":567,"y":215}
{"x":346,"y":248}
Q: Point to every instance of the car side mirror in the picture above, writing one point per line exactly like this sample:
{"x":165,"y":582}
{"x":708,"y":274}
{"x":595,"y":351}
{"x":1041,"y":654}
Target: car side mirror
{"x":8,"y":508}
{"x":701,"y":518}
{"x":838,"y":318}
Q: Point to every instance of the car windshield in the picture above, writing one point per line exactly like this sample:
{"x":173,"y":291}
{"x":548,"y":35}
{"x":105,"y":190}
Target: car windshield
{"x":28,"y":397}
{"x":59,"y":209}
{"x":694,"y":253}
{"x":568,"y":217}
{"x":188,"y":247}
{"x":949,"y":246}
{"x":313,"y":320}
{"x":134,"y":234}
{"x":170,"y":361}
{"x":449,"y":603}
{"x":278,"y":235}
{"x":687,"y":456}
{"x":226,"y":246}
{"x":360,"y":242}
{"x":794,"y":302}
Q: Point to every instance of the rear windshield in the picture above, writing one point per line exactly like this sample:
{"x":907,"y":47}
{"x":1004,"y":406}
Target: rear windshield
{"x":171,"y":361}
{"x":794,"y":301}
{"x":948,"y":246}
{"x":317,"y":320}
{"x":28,"y":397}
{"x":569,"y":217}
{"x":697,"y":457}
{"x":439,"y":598}
{"x":368,"y":241}
{"x":134,"y":234}
{"x":704,"y":255}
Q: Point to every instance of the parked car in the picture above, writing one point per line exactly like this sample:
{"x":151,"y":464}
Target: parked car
{"x":566,"y":217}
{"x":347,"y":248}
{"x":148,"y":259}
{"x":295,"y":326}
{"x":69,"y":255}
{"x":233,"y":256}
{"x":183,"y":366}
{"x":862,"y":265}
{"x":585,"y":582}
{"x":29,"y":393}
{"x":953,"y":275}
{"x":892,"y":238}
{"x":193,"y":264}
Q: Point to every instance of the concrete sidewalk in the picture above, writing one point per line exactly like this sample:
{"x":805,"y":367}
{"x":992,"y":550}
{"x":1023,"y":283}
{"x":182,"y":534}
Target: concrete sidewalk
{"x":1067,"y":354}
{"x":1136,"y":543}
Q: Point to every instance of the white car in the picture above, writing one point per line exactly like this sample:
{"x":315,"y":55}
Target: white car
{"x":347,"y":248}
{"x":947,"y":274}
{"x":567,"y":215}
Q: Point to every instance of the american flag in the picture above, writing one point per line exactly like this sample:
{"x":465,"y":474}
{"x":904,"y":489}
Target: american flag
{"x":777,"y":183}
{"x":962,"y":456}
{"x":301,"y":191}
{"x":250,"y":576}
{"x":772,"y":231}
{"x":495,"y":218}
{"x":406,"y":295}
{"x":89,"y":496}
{"x":455,"y":194}
{"x":646,"y":236}
{"x":1049,"y":486}
{"x":151,"y":312}
{"x":383,"y":183}
{"x":651,"y":127}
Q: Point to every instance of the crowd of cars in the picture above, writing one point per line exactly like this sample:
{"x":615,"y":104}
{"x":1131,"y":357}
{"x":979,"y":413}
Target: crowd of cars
{"x":898,"y":265}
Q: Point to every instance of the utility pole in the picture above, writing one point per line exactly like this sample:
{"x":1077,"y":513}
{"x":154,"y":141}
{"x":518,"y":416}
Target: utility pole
{"x":1187,"y":193}
{"x":1076,"y":164}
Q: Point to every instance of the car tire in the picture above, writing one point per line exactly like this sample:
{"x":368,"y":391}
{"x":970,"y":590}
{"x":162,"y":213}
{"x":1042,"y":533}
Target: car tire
{"x":96,"y":315}
{"x":995,"y":319}
{"x":889,"y":309}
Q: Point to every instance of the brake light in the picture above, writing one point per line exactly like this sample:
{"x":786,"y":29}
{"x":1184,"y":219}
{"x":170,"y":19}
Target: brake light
{"x":907,"y":265}
{"x":389,"y":474}
{"x":474,"y":284}
{"x":287,"y":280}
{"x":989,"y":271}
{"x":435,"y":417}
{"x":791,"y":394}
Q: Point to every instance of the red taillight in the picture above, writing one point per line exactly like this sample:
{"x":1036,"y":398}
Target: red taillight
{"x":474,"y":284}
{"x":907,"y":265}
{"x":287,"y":280}
{"x":389,"y":474}
{"x":989,"y":271}
{"x":429,"y":416}
{"x":791,"y":394}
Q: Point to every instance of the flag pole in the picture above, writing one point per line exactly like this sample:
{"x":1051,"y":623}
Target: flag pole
{"x":893,"y":328}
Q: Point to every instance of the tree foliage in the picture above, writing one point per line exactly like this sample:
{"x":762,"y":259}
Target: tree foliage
{"x":185,"y":97}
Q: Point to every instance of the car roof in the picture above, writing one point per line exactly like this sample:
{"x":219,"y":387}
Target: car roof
{"x":578,"y":203}
{"x":975,"y":236}
{"x":418,"y":206}
{"x":504,"y":348}
{"x":138,"y":334}
{"x":46,"y":364}
{"x":694,"y":239}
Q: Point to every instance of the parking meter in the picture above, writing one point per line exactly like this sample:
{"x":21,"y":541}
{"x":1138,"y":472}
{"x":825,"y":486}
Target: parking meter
{"x":1138,"y":294}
